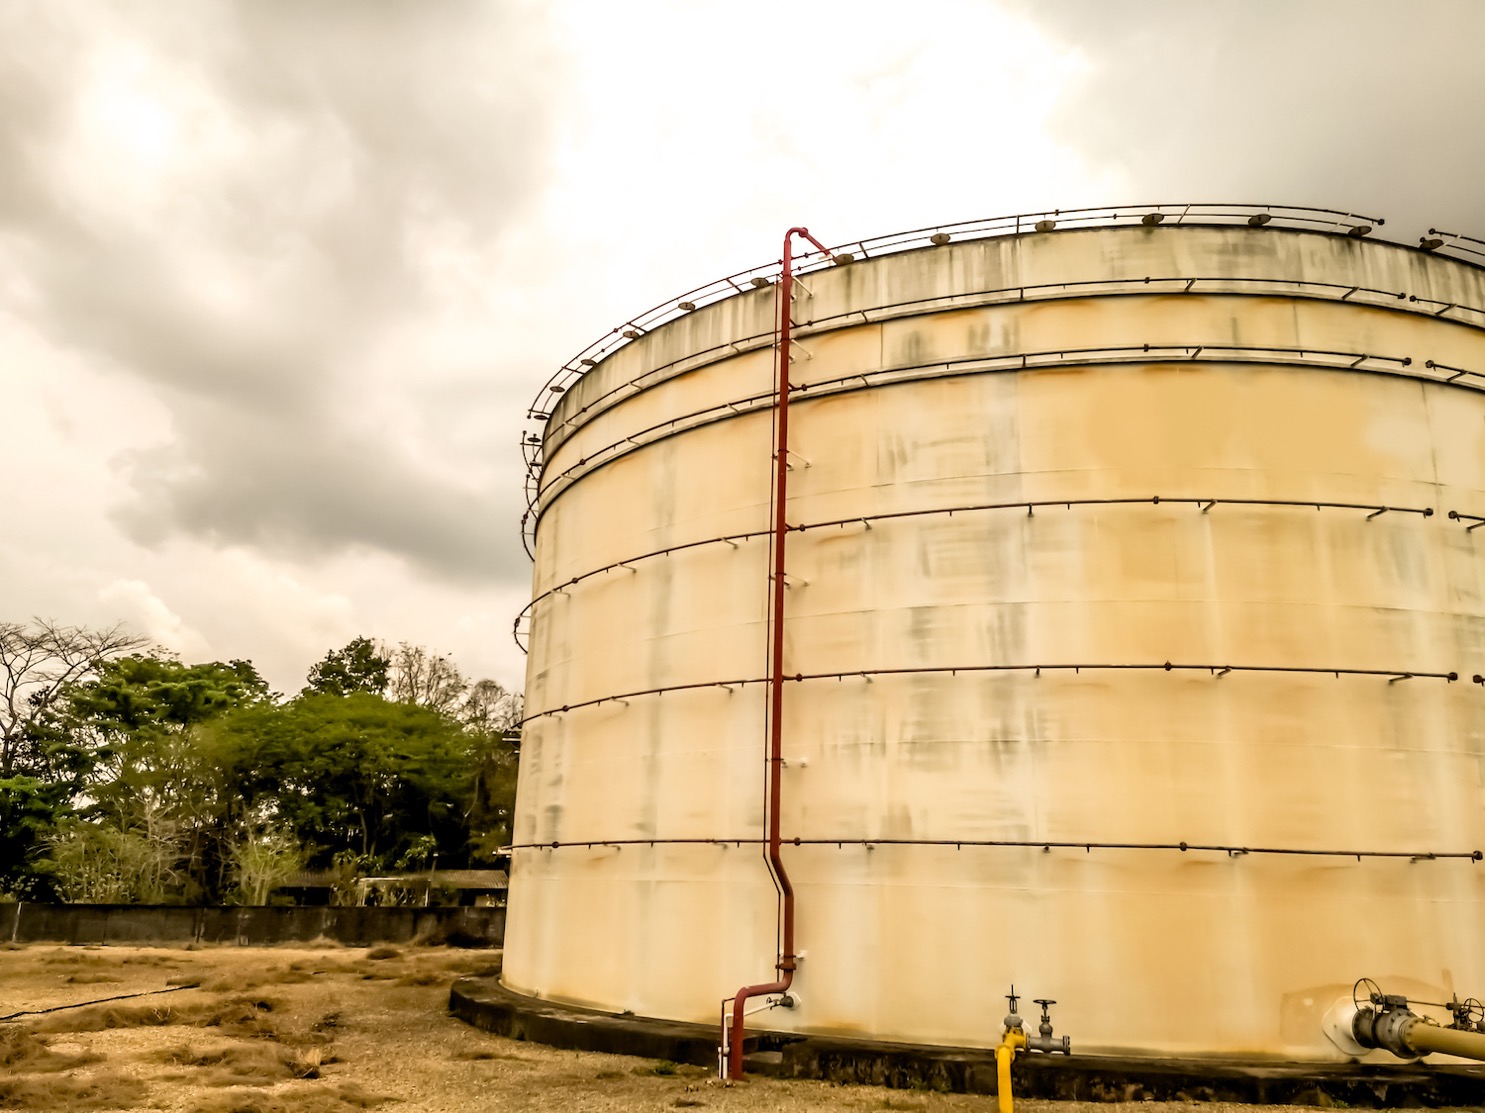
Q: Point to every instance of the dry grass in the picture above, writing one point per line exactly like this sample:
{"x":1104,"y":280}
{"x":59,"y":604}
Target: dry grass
{"x":255,"y":1064}
{"x":275,"y":1030}
{"x":421,"y":977}
{"x":485,"y":1054}
{"x":91,"y":979}
{"x":102,"y":1017}
{"x":109,"y":957}
{"x":21,"y":1051}
{"x":100,"y":1090}
{"x":239,"y":1016}
{"x":348,"y":1096}
{"x":224,"y":1044}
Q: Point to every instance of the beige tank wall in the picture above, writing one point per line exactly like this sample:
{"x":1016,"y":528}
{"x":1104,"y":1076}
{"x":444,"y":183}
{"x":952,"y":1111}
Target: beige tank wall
{"x":1148,"y":951}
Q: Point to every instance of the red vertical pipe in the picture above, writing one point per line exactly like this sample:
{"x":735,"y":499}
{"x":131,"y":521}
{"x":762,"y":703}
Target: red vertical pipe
{"x":786,"y":962}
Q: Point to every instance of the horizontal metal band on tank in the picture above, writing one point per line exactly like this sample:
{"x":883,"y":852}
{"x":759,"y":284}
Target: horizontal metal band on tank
{"x":1216,"y":214}
{"x":1231,"y":850}
{"x":1322,"y":359}
{"x":1195,"y":214}
{"x":1454,"y":241}
{"x":1010,"y":362}
{"x":537,"y":495}
{"x":1301,"y":217}
{"x":1011,"y":295}
{"x":1198,"y":214}
{"x":1454,"y":516}
{"x":1458,"y":372}
{"x":1217,"y":671}
{"x":535,"y":446}
{"x":1226,"y":286}
{"x":1029,"y":505}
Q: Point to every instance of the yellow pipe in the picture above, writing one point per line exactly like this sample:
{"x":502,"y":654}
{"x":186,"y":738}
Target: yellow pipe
{"x":1015,"y":1040}
{"x":1424,"y":1038}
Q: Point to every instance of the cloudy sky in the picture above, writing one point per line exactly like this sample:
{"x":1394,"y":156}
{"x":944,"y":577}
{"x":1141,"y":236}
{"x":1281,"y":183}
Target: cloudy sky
{"x":278,"y":278}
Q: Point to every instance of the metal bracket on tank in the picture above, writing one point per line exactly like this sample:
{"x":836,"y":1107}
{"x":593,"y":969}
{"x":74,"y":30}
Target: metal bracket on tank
{"x":1336,"y":1024}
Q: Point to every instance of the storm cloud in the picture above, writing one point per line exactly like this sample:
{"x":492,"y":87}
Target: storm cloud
{"x":1363,"y":105}
{"x":237,"y":208}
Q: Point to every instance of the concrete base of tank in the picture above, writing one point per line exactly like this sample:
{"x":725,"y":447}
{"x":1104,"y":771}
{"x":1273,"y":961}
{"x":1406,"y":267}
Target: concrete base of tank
{"x":485,"y":1003}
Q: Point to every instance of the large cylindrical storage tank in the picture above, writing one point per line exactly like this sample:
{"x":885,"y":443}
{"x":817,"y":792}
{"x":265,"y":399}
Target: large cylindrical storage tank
{"x":1131,"y":642}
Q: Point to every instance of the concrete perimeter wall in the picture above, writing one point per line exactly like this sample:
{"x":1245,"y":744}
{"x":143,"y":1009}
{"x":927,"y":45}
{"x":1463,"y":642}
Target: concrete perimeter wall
{"x":247,"y":926}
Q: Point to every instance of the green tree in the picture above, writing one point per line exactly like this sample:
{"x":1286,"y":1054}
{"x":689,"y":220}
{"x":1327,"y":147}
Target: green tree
{"x":492,"y":717}
{"x":359,"y":667}
{"x":262,"y":860}
{"x":98,"y":863}
{"x":162,"y":767}
{"x":168,"y":781}
{"x":361,"y":775}
{"x":31,"y":810}
{"x":40,"y":771}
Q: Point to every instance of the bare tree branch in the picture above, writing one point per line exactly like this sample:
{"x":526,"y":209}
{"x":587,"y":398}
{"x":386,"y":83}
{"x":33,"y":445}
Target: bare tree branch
{"x":419,"y":676}
{"x":490,"y":708}
{"x":37,"y":660}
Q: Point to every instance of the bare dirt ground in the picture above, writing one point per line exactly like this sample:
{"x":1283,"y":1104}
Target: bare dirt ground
{"x":333,"y":1030}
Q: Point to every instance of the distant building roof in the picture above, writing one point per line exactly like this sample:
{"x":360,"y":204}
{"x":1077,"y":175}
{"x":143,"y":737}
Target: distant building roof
{"x":311,"y":879}
{"x":454,"y":879}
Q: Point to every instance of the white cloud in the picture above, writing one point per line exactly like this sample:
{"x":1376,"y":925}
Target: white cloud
{"x":139,"y":608}
{"x":695,"y":138}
